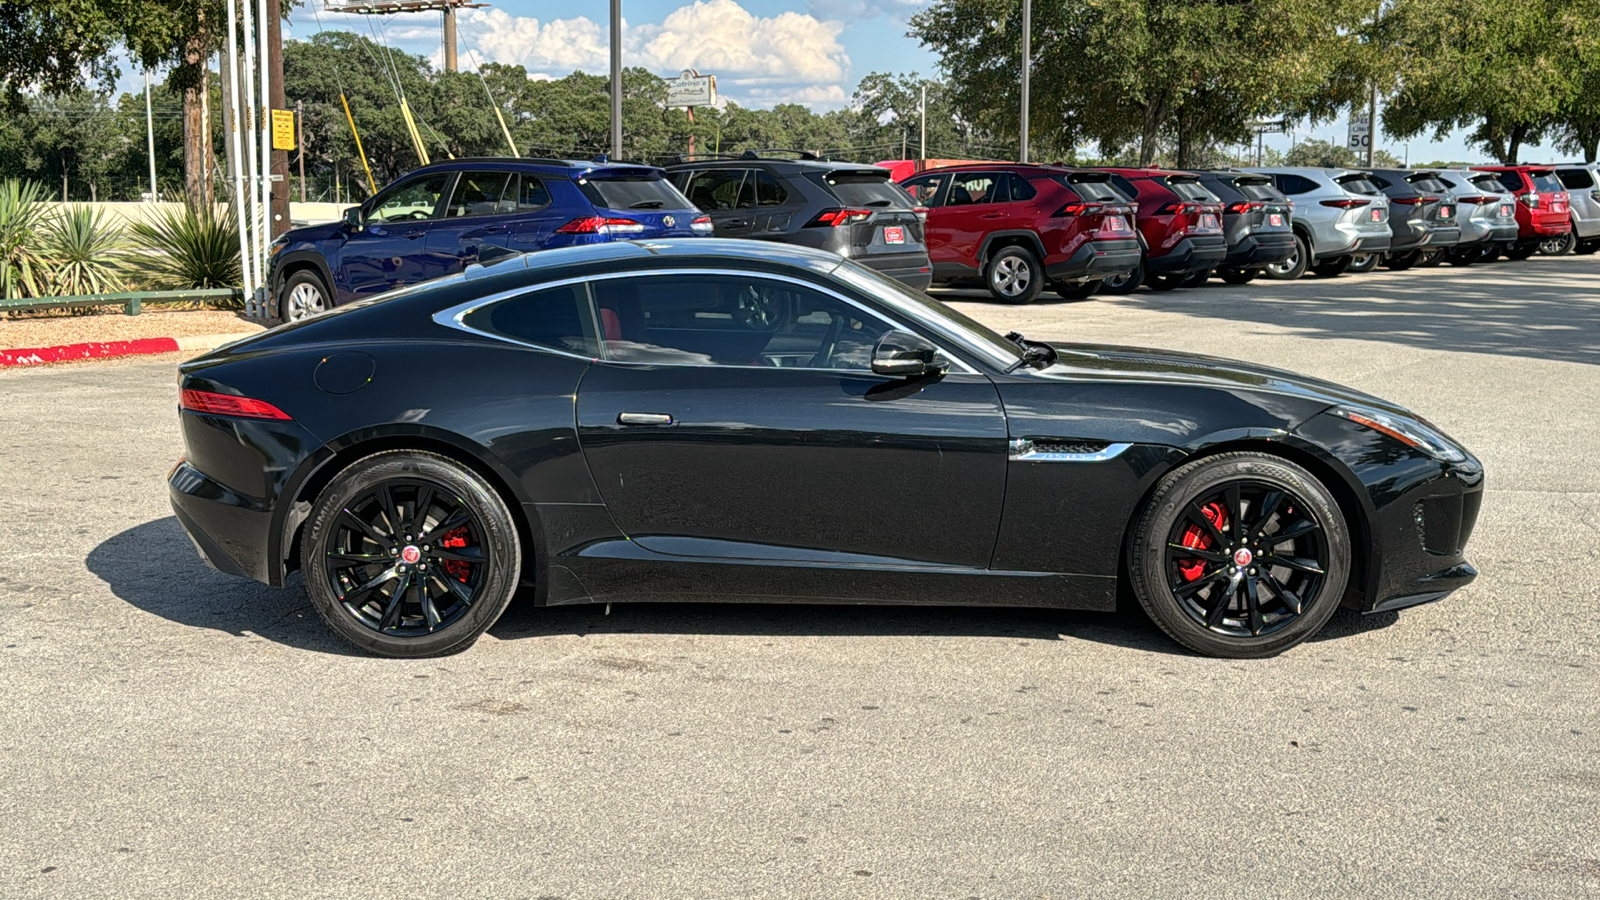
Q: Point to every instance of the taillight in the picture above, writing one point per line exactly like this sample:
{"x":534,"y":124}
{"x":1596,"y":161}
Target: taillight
{"x":833,"y":218}
{"x":601,"y":225}
{"x":1243,"y":207}
{"x":1178,"y":209}
{"x":228,"y":405}
{"x":1347,"y":203}
{"x":1409,"y":201}
{"x":922,"y":213}
{"x":701,"y":225}
{"x":1473,"y":200}
{"x":1530,"y":200}
{"x":1078,"y":208}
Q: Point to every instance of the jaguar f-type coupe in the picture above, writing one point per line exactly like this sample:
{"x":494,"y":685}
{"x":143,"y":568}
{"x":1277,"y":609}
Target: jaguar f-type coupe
{"x":741,"y":421}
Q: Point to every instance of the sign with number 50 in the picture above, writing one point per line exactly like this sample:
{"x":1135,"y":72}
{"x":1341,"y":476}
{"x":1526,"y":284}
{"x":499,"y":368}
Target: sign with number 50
{"x":1360,"y":131}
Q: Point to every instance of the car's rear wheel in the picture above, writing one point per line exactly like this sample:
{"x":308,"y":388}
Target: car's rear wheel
{"x":1013,"y":275}
{"x":1399,"y":262}
{"x":1520,"y":252}
{"x":1238,"y":276}
{"x":1126,"y":283}
{"x":1166,"y":282}
{"x":1464,"y":256}
{"x":1332,"y":268}
{"x":1240,"y":555}
{"x":1363,"y":262}
{"x":1083,"y":290}
{"x":1293,"y":267}
{"x":1198,"y":279}
{"x":409,"y":554}
{"x":303,"y":296}
{"x":1431,"y":257}
{"x":1558,"y":246}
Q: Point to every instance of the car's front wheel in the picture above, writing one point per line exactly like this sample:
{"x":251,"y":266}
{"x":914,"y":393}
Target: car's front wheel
{"x":303,"y":296}
{"x":1240,"y":555}
{"x":1014,"y":275}
{"x":408,"y":554}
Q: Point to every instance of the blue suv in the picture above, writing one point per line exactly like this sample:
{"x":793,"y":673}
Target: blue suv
{"x":443,"y":217}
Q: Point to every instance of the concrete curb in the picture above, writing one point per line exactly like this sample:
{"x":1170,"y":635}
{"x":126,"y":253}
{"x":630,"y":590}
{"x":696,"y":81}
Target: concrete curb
{"x":33,"y":356}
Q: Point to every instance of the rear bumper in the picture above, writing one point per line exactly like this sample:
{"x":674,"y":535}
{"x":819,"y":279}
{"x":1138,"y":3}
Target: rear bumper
{"x":228,"y":529}
{"x":1257,"y":250}
{"x":1196,"y":253}
{"x":1355,"y":239}
{"x":1423,"y":236}
{"x":911,"y":269}
{"x":1096,"y":259}
{"x":1478,"y":233}
{"x":1544,"y":226}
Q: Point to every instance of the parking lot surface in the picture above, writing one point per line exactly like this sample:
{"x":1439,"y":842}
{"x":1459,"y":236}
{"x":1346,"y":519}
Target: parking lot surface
{"x":167,"y":731}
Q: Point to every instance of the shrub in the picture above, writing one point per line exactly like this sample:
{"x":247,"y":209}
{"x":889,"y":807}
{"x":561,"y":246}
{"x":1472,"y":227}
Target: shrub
{"x":82,"y":252}
{"x":192,"y":247}
{"x":22,"y":212}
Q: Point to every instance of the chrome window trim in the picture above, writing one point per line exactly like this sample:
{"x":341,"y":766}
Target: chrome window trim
{"x":1021,"y":450}
{"x":453,"y":318}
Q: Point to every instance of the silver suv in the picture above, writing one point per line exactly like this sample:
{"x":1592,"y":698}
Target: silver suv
{"x":1486,"y":215}
{"x":1582,"y":181}
{"x":1338,"y":216}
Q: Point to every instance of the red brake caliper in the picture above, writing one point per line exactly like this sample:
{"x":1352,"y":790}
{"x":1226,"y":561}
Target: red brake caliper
{"x":1197,"y":538}
{"x":455,"y":540}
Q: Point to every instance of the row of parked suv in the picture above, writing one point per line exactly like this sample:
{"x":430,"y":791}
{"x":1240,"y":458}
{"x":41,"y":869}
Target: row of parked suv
{"x":1016,"y":229}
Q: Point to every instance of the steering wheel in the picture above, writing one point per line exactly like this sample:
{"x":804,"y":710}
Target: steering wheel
{"x":416,"y":215}
{"x":824,"y":354}
{"x":758,"y":310}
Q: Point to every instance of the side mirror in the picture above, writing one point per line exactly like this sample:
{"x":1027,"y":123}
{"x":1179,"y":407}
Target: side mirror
{"x":352,"y":218}
{"x":901,"y":354}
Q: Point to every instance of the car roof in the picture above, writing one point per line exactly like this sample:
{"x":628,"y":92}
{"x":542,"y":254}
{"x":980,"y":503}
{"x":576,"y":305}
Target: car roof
{"x":753,"y":158}
{"x":1141,"y":171}
{"x":531,"y":164}
{"x":1019,"y":168}
{"x":718,"y":250}
{"x":1526,"y":167}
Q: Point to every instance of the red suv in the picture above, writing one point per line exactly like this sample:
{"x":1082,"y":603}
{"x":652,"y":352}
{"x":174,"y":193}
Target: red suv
{"x":1541,"y":205}
{"x":1180,"y":228}
{"x":1014,"y":227}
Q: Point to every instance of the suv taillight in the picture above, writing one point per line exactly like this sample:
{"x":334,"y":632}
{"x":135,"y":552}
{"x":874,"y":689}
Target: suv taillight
{"x":1348,"y":203}
{"x":601,"y":225}
{"x":1473,"y":200}
{"x":1243,"y":207}
{"x":922,"y":213}
{"x":1530,"y":200}
{"x":833,"y":218}
{"x":1409,"y":201}
{"x":702,"y":225}
{"x":1178,"y":209}
{"x":1077,"y":208}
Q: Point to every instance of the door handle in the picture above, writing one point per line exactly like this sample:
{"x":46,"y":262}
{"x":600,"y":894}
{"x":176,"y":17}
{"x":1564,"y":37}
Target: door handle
{"x":413,"y":235}
{"x":993,"y":216}
{"x":736,"y":223}
{"x":633,"y":418}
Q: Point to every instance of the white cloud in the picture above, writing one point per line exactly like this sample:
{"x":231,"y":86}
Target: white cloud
{"x":858,"y":10}
{"x":557,"y":44}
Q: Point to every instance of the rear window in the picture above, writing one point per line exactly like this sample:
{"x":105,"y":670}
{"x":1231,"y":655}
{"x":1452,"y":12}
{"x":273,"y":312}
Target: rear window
{"x":1359,"y":184}
{"x":1429,"y":184}
{"x":868,"y":189}
{"x":1100,"y":191}
{"x":633,"y":192}
{"x":1487,"y":183}
{"x":1547,"y":184}
{"x":1512,"y":181}
{"x":1261,"y":191}
{"x":1190,"y":189}
{"x":1576,"y":179}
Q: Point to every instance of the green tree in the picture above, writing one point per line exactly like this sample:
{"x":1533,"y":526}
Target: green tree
{"x":1316,"y":152}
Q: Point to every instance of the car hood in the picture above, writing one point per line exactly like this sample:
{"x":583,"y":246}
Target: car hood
{"x":1135,"y":364}
{"x":311,"y":233}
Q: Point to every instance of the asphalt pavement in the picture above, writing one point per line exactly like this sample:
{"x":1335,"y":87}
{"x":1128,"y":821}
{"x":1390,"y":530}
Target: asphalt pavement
{"x":166,"y":731}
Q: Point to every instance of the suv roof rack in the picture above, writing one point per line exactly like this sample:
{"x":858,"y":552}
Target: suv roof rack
{"x":765,"y":152}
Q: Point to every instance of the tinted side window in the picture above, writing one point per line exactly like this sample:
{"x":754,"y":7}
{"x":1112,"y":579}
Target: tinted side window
{"x":1290,"y":183}
{"x":1576,"y":179}
{"x":1021,"y":189}
{"x":1512,"y":181}
{"x":924,"y":188}
{"x":555,"y":318}
{"x":414,"y":200}
{"x":732,"y":320}
{"x":977,"y":187}
{"x":532,"y":194}
{"x":480,"y":194}
{"x":1125,"y":186}
{"x":769,"y":191}
{"x":715,"y":189}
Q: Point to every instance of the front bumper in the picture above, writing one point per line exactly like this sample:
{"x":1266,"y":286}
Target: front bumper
{"x":1196,"y":253}
{"x":1096,"y":259}
{"x":1260,"y":250}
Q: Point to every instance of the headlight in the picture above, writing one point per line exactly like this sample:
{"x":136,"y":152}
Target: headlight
{"x":1411,"y":432}
{"x":277,"y":245}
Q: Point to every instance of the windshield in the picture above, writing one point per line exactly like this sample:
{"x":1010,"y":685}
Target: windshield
{"x":925,"y":310}
{"x":633,"y":193}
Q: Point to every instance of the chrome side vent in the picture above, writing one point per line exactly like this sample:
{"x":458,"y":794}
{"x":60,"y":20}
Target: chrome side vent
{"x":1064,"y":450}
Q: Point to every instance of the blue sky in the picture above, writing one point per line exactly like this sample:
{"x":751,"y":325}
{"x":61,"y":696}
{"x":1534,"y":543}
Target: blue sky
{"x":763,"y":51}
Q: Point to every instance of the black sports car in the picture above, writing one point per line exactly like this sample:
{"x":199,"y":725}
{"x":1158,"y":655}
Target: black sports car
{"x":737,"y":420}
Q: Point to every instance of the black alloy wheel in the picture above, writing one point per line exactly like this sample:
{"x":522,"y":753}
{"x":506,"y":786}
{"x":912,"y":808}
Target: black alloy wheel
{"x":1399,"y":262}
{"x":1560,"y":245}
{"x":1240,"y":555}
{"x":1332,"y":268}
{"x":1126,"y":283}
{"x":1083,"y":290}
{"x":1363,"y":262}
{"x":409,"y":554}
{"x":1239,"y":276}
{"x":1295,"y":266}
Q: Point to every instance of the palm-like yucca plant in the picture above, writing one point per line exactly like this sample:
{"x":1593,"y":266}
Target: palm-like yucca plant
{"x":82,"y":250}
{"x":22,"y":212}
{"x":191,"y":247}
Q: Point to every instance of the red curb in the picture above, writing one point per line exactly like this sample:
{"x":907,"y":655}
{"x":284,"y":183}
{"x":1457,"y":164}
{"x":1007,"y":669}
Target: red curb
{"x":97,"y":350}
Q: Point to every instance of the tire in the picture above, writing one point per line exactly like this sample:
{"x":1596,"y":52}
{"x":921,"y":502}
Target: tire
{"x":1124,"y":284}
{"x":1431,"y":258}
{"x":1295,"y":265}
{"x":350,"y":521}
{"x":1238,"y":276}
{"x":1586,"y":248}
{"x":1363,"y":262}
{"x":1558,"y":246}
{"x":1013,"y":275}
{"x":1198,"y":279}
{"x":1491,"y":252}
{"x":1520,"y":252}
{"x":1080,"y":291}
{"x":1164,"y":283}
{"x":303,"y":296}
{"x":1463,"y":256}
{"x":1333,"y":268}
{"x":1167,"y":592}
{"x":1403,"y":261}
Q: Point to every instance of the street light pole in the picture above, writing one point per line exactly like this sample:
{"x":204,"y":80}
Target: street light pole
{"x":150,"y":136}
{"x":1027,"y":66}
{"x":616,"y":79}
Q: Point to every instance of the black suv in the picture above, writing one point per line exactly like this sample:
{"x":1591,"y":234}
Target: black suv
{"x":1255,"y":219}
{"x":799,"y":198}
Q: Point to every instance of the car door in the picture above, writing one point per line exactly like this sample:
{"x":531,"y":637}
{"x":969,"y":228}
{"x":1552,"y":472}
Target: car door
{"x":728,"y":197}
{"x":928,"y":191}
{"x":391,"y":249}
{"x":735,"y":415}
{"x":479,"y":215}
{"x":538,"y":214}
{"x":975,"y":206}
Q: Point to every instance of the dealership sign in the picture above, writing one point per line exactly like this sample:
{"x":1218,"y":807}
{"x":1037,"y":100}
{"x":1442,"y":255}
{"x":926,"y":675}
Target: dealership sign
{"x":691,"y":88}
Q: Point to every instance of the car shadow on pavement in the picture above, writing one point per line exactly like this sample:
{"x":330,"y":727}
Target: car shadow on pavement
{"x":155,"y":568}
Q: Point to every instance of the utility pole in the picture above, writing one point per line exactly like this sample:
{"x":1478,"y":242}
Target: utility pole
{"x":616,"y":79}
{"x":150,"y":135}
{"x":300,"y":142}
{"x":278,"y":171}
{"x":1027,"y":65}
{"x":922,"y":145}
{"x":1372,"y":123}
{"x":449,"y":38}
